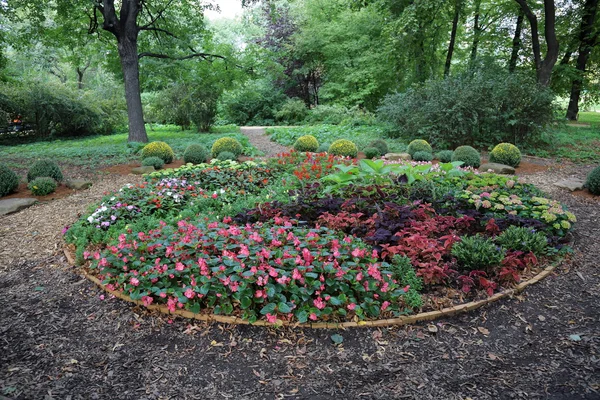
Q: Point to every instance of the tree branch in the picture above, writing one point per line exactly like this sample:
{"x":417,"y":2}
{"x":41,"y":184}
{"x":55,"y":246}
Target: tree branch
{"x":155,"y":29}
{"x":535,"y":39}
{"x":154,"y":19}
{"x":206,"y":56}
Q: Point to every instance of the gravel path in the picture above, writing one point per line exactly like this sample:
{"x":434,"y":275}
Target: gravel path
{"x":59,"y":340}
{"x":261,"y":141}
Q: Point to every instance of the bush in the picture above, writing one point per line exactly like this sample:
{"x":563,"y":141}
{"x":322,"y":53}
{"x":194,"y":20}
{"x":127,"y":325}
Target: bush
{"x":160,"y":150}
{"x":44,"y":168}
{"x":9,"y":181}
{"x":327,"y":114}
{"x":343,"y":147}
{"x":196,"y":154}
{"x":306,"y":143}
{"x":403,"y":272}
{"x":372,"y":152}
{"x":155,"y":162}
{"x":42,"y":186}
{"x":523,"y":239}
{"x":226,"y":155}
{"x":468,"y":155}
{"x":477,"y":253}
{"x":422,"y":156}
{"x":444,"y":156}
{"x":418,"y":145}
{"x":226,"y":144}
{"x":323,"y":147}
{"x":254,"y":104}
{"x":293,"y":111}
{"x":593,"y":181}
{"x":381,"y":145}
{"x":507,"y":154}
{"x":479,"y":107}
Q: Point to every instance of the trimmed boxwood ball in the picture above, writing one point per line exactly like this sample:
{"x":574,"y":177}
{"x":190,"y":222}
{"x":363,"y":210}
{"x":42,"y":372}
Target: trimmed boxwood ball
{"x":444,"y":156}
{"x":160,"y":150}
{"x":155,"y":162}
{"x":226,"y":155}
{"x":593,"y":181}
{"x":468,"y":155}
{"x":44,"y":168}
{"x":372,"y":152}
{"x":323,"y":148}
{"x":381,"y":145}
{"x":9,"y":181}
{"x":42,"y":186}
{"x":306,"y":143}
{"x":227,"y":144}
{"x":422,"y":156}
{"x":507,"y":154}
{"x":418,"y":145}
{"x":196,"y":154}
{"x":343,"y":147}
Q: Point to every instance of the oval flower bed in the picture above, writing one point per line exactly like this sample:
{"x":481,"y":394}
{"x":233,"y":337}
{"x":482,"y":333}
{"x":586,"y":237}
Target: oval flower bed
{"x":312,"y":237}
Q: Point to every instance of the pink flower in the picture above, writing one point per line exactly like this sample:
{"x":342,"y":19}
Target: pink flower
{"x":214,"y":195}
{"x":258,"y":294}
{"x":162,"y":295}
{"x":271,"y":318}
{"x":134,"y":281}
{"x":319,"y":303}
{"x":296,"y":274}
{"x":485,"y":194}
{"x":86,"y":255}
{"x":147,"y":300}
{"x":313,"y":316}
{"x":385,"y":305}
{"x":101,"y":297}
{"x":351,"y":306}
{"x":179,"y":266}
{"x":406,"y":288}
{"x":189,"y":293}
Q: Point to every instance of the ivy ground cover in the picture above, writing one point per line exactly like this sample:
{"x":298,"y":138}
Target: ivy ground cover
{"x":311,"y":237}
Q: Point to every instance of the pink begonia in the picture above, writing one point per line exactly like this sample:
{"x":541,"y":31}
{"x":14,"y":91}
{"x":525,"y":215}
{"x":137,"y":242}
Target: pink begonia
{"x":319,"y":303}
{"x":258,"y":294}
{"x":359,"y":276}
{"x":271,"y":318}
{"x":385,"y":305}
{"x":351,"y":306}
{"x":406,"y":288}
{"x":296,"y":274}
{"x":179,"y":266}
{"x":162,"y":295}
{"x":189,"y":293}
{"x":313,"y":316}
{"x":147,"y":300}
{"x":171,"y":304}
{"x":134,"y":281}
{"x":86,"y":255}
{"x":358,"y":252}
{"x":101,"y":297}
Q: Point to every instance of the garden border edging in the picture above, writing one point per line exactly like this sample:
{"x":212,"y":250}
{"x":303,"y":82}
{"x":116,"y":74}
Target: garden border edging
{"x":404,"y":320}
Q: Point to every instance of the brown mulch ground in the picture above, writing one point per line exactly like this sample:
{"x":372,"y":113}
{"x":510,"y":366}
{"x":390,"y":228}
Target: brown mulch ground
{"x":58,"y":340}
{"x":61,"y":191}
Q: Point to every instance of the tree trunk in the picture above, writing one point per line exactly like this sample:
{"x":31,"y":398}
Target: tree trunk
{"x":128,"y":55}
{"x":476,"y":33}
{"x":80,"y":78}
{"x":587,"y":40}
{"x":512,"y":64}
{"x":452,"y":38}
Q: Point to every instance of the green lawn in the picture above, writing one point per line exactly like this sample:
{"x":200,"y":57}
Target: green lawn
{"x":112,"y":149}
{"x":577,"y":144}
{"x":590,"y":117}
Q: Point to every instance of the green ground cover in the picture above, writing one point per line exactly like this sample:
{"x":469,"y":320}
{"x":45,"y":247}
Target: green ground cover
{"x":577,"y":144}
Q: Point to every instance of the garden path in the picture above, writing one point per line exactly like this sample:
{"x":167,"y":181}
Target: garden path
{"x":59,"y":340}
{"x":261,"y":141}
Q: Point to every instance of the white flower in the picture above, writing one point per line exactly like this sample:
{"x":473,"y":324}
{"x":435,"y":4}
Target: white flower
{"x":90,"y":219}
{"x":222,"y":191}
{"x":112,"y":198}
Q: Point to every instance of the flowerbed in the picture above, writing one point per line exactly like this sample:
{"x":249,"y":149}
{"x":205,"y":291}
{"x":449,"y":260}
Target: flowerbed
{"x":308,"y":237}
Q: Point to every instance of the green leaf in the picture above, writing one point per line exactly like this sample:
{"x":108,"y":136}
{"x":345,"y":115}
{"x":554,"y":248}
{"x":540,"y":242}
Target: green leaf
{"x":245,"y":302}
{"x":195,"y":308}
{"x":283,"y":307}
{"x":269,"y":308}
{"x":302,"y":316}
{"x":337,"y":338}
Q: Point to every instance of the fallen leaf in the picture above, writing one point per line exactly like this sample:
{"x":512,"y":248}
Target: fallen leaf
{"x":541,"y":318}
{"x":575,"y":338}
{"x":483,"y":330}
{"x":432,"y":328}
{"x":492,"y":356}
{"x":337,"y":338}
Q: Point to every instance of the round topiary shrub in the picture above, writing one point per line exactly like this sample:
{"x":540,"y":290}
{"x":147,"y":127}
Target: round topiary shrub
{"x":42,"y":186}
{"x":227,"y":144}
{"x":381,"y":145}
{"x":9,"y":181}
{"x":468,"y":155}
{"x":323,"y":148}
{"x":155,"y":162}
{"x":44,"y":168}
{"x":306,"y":143}
{"x":444,"y":156}
{"x":506,"y":153}
{"x":372,"y":152}
{"x":418,"y":145}
{"x":343,"y":147}
{"x":160,"y":150}
{"x":196,"y":154}
{"x":226,"y":155}
{"x":593,"y":181}
{"x":422,"y":156}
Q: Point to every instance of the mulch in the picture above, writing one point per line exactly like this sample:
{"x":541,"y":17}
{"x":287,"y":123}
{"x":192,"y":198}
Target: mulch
{"x":61,"y":191}
{"x":58,"y":339}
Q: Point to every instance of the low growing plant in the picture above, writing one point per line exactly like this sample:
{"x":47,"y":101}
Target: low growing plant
{"x":468,"y":155}
{"x":42,"y":186}
{"x":155,"y":162}
{"x":226,"y":144}
{"x":9,"y":181}
{"x":343,"y":147}
{"x":444,"y":156}
{"x":160,"y":150}
{"x":372,"y":152}
{"x":523,"y":239}
{"x":196,"y":154}
{"x":593,"y":181}
{"x":44,"y":168}
{"x":306,"y":143}
{"x":381,"y":145}
{"x":477,"y":253}
{"x":422,"y":156}
{"x":226,"y":155}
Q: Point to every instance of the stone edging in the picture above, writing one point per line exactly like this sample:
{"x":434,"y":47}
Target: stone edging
{"x":404,"y":320}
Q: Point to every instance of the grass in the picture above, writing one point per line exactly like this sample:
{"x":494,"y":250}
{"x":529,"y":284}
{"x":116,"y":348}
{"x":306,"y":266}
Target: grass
{"x":112,"y":149}
{"x":589,"y":117}
{"x":577,"y":144}
{"x":360,"y":135}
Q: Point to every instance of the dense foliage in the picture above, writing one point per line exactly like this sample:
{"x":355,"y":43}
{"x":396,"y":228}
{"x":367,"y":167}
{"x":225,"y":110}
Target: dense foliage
{"x":196,"y":154}
{"x":468,"y":155}
{"x":44,"y":168}
{"x":153,"y":161}
{"x":507,"y":154}
{"x":42,"y":186}
{"x":159,"y":149}
{"x":593,"y":181}
{"x":9,"y":181}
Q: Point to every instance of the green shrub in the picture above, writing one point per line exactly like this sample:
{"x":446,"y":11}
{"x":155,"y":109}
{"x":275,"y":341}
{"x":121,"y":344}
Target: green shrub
{"x":293,"y":111}
{"x":196,"y":154}
{"x":155,"y":162}
{"x":479,"y":107}
{"x":343,"y":147}
{"x":256,"y":103}
{"x":327,"y":114}
{"x":42,"y":186}
{"x":226,"y":155}
{"x":323,"y":148}
{"x":306,"y":143}
{"x":9,"y":181}
{"x":226,"y":144}
{"x":593,"y":181}
{"x":404,"y":273}
{"x":523,"y":239}
{"x":507,"y":154}
{"x":44,"y":168}
{"x":468,"y":155}
{"x":372,"y":152}
{"x":160,"y":150}
{"x":418,"y":145}
{"x":381,"y":145}
{"x":444,"y":156}
{"x":422,"y":156}
{"x":477,"y":253}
